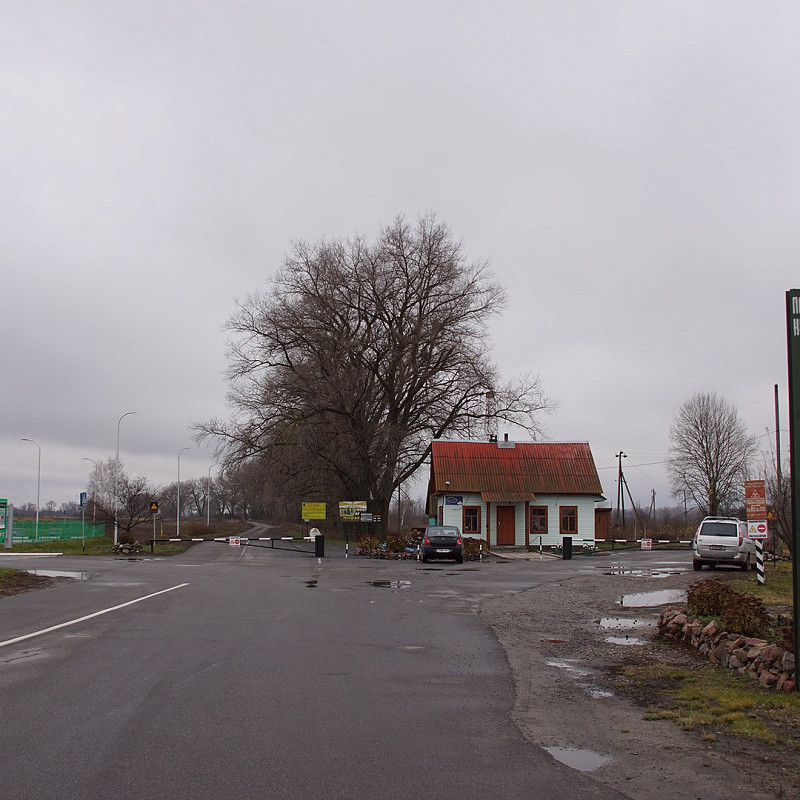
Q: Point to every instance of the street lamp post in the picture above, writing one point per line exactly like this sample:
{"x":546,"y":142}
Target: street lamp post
{"x":38,"y":484}
{"x":208,"y":497}
{"x":116,"y":473}
{"x":178,"y":514}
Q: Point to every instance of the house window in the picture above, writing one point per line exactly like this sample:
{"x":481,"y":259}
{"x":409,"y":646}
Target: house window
{"x":471,"y":525}
{"x":538,"y":520}
{"x":569,"y":520}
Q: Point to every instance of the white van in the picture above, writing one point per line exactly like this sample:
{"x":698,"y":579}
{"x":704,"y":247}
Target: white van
{"x":723,"y":540}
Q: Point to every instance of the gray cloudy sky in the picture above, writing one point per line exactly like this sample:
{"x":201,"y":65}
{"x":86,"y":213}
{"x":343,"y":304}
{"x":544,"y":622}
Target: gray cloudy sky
{"x":630,"y":170}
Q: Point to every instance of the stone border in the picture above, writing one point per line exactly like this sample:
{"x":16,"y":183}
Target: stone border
{"x":769,"y":664}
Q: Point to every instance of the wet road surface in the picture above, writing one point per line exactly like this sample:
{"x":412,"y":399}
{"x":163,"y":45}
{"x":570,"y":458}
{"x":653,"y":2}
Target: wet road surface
{"x":250,"y":672}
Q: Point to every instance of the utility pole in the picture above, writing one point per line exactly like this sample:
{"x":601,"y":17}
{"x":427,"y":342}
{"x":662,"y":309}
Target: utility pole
{"x":777,"y":439}
{"x":620,"y":496}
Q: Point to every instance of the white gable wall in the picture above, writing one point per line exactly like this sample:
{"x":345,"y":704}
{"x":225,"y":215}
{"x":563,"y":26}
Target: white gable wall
{"x":452,"y":514}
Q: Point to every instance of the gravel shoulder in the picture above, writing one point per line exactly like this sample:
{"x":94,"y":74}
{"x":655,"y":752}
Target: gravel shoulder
{"x":567,"y":694}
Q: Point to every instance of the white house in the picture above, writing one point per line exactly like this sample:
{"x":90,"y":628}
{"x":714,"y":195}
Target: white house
{"x":515,"y":493}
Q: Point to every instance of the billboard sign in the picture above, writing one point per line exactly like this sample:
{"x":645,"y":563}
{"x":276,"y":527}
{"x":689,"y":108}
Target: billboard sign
{"x":351,"y":510}
{"x":313,"y":510}
{"x":755,"y":498}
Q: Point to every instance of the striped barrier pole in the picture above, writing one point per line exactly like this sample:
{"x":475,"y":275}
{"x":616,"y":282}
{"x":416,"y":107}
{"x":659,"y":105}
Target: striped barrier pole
{"x":760,"y":562}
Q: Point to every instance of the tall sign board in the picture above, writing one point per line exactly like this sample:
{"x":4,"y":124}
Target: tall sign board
{"x":793,"y":347}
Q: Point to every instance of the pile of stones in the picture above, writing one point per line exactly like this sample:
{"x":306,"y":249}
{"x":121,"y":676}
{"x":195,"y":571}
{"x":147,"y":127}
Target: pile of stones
{"x":769,"y":664}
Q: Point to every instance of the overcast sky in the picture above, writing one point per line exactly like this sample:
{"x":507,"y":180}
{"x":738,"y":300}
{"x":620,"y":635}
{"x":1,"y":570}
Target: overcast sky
{"x":629,"y":169}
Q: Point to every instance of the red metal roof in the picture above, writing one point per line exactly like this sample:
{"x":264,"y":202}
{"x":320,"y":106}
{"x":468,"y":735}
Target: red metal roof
{"x":513,"y":470}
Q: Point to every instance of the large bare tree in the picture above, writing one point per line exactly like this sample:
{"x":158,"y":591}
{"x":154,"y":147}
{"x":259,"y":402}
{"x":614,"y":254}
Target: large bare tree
{"x":709,"y":453}
{"x":358,"y":356}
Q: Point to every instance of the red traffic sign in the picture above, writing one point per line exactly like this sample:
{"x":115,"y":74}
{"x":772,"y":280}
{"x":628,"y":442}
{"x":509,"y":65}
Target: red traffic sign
{"x":757,"y":529}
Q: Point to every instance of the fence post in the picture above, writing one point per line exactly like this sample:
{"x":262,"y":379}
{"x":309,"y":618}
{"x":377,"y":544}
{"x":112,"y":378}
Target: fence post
{"x":760,"y":562}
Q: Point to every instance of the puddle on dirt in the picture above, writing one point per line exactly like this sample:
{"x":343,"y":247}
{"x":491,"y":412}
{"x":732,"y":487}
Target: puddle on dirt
{"x":624,"y":623}
{"x":632,"y":640}
{"x":53,"y":573}
{"x":657,"y":572}
{"x":569,"y":667}
{"x":391,"y":584}
{"x":598,"y":694}
{"x":653,"y":599}
{"x":582,"y":760}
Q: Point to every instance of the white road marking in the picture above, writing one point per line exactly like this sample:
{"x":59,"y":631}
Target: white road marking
{"x":89,"y":616}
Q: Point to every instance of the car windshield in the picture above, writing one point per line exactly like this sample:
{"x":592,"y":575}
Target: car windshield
{"x":719,"y":529}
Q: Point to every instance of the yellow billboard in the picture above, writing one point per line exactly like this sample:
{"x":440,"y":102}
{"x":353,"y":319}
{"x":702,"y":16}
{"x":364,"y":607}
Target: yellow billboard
{"x":314,"y":510}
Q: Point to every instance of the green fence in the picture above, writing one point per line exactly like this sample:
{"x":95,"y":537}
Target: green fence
{"x":50,"y":529}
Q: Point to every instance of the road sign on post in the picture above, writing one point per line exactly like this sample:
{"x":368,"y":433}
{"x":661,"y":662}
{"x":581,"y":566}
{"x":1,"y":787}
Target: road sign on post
{"x":3,"y":512}
{"x":755,"y":498}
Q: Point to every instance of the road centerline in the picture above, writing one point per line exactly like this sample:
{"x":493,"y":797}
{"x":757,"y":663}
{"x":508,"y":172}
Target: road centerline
{"x":89,"y":616}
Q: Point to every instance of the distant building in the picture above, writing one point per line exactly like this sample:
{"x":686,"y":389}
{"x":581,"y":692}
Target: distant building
{"x":515,"y":493}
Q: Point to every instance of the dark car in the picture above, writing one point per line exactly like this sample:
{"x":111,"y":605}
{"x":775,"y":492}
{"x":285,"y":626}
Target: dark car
{"x":442,"y":541}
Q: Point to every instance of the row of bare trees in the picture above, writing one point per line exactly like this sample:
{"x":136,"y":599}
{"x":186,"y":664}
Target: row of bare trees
{"x":115,"y":494}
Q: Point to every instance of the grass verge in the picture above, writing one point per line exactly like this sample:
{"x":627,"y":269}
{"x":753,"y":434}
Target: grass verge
{"x":714,"y":701}
{"x":777,"y":589}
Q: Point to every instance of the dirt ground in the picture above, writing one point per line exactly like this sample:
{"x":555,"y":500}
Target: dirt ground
{"x":569,"y":696}
{"x":20,"y":581}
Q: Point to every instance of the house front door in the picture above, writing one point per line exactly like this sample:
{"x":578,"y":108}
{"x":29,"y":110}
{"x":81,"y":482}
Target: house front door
{"x":505,"y":525}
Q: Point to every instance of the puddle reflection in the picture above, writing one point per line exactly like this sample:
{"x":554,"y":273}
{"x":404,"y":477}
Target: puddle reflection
{"x":653,"y":599}
{"x":582,"y":760}
{"x":391,"y":584}
{"x":54,"y":573}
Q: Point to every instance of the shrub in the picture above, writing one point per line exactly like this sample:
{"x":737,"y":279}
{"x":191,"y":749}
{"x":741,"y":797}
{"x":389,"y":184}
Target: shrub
{"x":395,"y":543}
{"x":746,"y":614}
{"x":786,"y":640}
{"x":472,"y":545}
{"x":738,"y":613}
{"x":708,"y":598}
{"x":367,"y":543}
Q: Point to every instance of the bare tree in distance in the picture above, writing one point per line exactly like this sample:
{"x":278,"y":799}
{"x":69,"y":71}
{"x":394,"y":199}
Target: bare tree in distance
{"x":709,"y":453}
{"x":358,"y":356}
{"x":116,"y":493}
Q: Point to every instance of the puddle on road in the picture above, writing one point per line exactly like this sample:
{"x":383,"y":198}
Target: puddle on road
{"x":53,"y":573}
{"x":657,"y":572}
{"x":312,"y":584}
{"x":582,"y":760}
{"x":631,"y":640}
{"x":653,"y":599}
{"x":391,"y":584}
{"x":625,"y":623}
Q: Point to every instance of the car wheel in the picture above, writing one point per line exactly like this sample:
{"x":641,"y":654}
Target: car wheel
{"x":459,"y":559}
{"x":698,"y":565}
{"x":424,"y":559}
{"x":746,"y":564}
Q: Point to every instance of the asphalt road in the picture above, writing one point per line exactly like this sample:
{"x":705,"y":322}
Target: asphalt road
{"x":260,"y":673}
